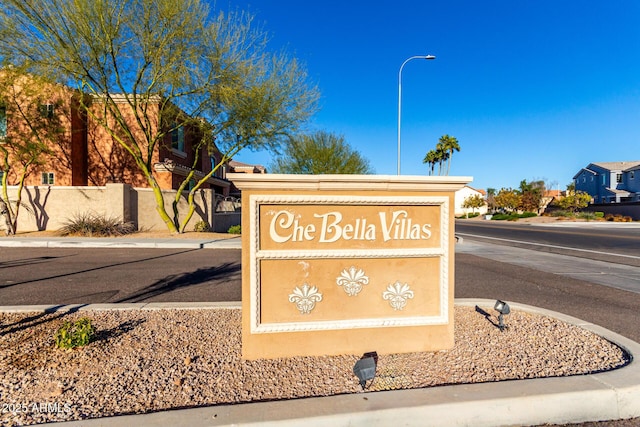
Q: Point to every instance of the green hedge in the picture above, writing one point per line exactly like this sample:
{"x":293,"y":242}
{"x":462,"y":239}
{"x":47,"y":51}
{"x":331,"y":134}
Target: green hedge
{"x":512,"y":216}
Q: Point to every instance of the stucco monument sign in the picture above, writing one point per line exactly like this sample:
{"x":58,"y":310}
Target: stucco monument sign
{"x":346,"y":264}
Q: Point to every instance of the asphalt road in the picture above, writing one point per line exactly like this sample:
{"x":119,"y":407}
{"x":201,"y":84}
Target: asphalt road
{"x":89,"y":275}
{"x":605,"y":241}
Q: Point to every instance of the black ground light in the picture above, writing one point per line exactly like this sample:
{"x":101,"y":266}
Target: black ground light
{"x":365,"y":368}
{"x":502,"y":308}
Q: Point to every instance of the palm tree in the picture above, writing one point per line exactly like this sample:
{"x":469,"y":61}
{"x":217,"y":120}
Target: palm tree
{"x":431,"y":159}
{"x":449,"y":144}
{"x":442,"y":155}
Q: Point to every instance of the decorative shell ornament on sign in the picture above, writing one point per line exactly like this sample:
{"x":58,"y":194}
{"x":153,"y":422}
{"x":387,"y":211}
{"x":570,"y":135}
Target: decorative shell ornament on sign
{"x":397,"y":295}
{"x":352,"y":280}
{"x":305,"y":298}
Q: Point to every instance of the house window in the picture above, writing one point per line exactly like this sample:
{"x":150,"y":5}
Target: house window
{"x":47,"y":178}
{"x":604,"y":180}
{"x":46,"y":110}
{"x":177,"y":139}
{"x":591,"y":178}
{"x":618,"y":177}
{"x":3,"y":123}
{"x":632,"y":175}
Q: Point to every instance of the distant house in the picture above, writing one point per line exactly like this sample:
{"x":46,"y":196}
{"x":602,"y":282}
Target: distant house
{"x":548,"y":197}
{"x":239,"y":167}
{"x":463,"y":194}
{"x":610,"y":182}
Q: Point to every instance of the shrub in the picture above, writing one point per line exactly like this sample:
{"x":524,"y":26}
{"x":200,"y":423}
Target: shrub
{"x":587,"y":215}
{"x":528,"y":214}
{"x":562,"y":213}
{"x":235,"y":229}
{"x":95,"y":225}
{"x":76,"y":334}
{"x":627,"y":219}
{"x":470,"y":215}
{"x":499,"y":217}
{"x":599,"y":214}
{"x":201,"y":227}
{"x":503,"y":217}
{"x":513,"y":216}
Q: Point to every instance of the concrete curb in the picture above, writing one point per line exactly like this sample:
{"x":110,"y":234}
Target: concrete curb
{"x":106,"y":242}
{"x":592,"y":224}
{"x":119,"y":306}
{"x":600,"y":396}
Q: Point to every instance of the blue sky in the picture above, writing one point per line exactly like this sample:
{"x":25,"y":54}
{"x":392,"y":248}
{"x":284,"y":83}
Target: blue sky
{"x":531,"y":89}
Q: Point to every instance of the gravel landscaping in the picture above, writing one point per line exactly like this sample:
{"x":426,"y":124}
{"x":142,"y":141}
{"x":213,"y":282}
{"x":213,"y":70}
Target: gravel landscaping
{"x":152,"y":360}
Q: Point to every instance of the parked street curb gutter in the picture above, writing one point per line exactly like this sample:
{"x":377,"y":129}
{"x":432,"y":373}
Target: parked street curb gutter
{"x":602,"y":396}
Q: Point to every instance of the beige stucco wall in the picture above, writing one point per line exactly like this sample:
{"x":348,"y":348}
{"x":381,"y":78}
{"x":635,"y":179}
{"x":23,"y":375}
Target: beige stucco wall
{"x":50,"y":207}
{"x":145,"y":215}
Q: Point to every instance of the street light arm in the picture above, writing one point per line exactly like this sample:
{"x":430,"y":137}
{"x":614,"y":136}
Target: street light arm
{"x":400,"y":96}
{"x":413,"y":57}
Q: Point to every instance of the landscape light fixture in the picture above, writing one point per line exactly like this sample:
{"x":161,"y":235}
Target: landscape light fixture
{"x":400,"y":96}
{"x":502,"y":308}
{"x":365,"y":368}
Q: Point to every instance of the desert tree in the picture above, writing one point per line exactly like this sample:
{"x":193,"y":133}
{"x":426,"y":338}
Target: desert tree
{"x":148,"y":68}
{"x":474,"y":202}
{"x":507,"y":199}
{"x":320,"y":152}
{"x":31,"y":124}
{"x":531,"y":195}
{"x":574,"y":200}
{"x":491,"y":194}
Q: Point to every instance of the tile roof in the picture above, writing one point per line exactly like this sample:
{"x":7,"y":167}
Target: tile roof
{"x":613,"y":166}
{"x":239,"y":165}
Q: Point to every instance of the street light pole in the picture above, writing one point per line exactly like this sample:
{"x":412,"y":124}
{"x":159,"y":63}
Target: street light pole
{"x":400,"y":96}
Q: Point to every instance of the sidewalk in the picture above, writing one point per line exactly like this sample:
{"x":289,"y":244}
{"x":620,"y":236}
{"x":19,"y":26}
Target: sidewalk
{"x":601,"y":396}
{"x":119,"y":242}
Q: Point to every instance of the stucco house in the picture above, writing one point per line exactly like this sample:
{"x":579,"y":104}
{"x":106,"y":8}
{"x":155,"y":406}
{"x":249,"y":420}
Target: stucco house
{"x":84,"y":153}
{"x":463,"y":194}
{"x":610,"y":182}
